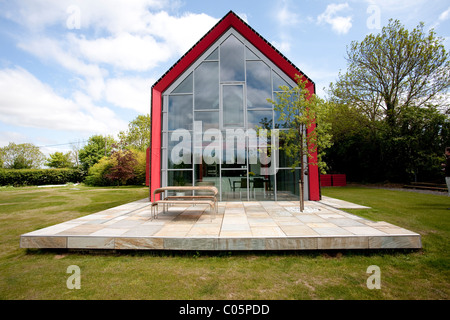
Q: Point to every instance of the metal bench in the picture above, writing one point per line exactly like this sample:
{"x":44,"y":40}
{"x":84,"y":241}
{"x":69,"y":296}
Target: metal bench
{"x":210,"y":200}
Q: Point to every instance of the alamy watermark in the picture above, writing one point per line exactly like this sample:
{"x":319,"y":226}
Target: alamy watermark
{"x":73,"y":20}
{"x":374,"y":20}
{"x":208,"y":147}
{"x":374,"y":281}
{"x":74,"y":281}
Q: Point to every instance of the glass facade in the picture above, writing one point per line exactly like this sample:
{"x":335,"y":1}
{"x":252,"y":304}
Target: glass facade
{"x":211,"y":116}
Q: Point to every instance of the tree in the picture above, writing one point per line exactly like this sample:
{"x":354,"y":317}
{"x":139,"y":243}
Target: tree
{"x":391,"y":118}
{"x":138,"y":133}
{"x":304,"y":115}
{"x":60,"y":160}
{"x":124,"y":163}
{"x":97,"y":147}
{"x":21,"y":156}
{"x":392,"y":70}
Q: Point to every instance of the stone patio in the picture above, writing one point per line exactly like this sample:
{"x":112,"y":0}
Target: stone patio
{"x":249,"y":225}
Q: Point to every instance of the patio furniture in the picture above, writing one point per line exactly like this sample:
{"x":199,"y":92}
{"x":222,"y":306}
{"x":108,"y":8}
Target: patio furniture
{"x":258,"y":183}
{"x":210,"y":200}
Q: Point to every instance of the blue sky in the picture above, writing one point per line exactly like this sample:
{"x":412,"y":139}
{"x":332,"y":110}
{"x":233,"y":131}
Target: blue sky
{"x":72,"y":69}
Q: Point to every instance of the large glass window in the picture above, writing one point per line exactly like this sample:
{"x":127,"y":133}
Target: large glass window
{"x":225,"y":94}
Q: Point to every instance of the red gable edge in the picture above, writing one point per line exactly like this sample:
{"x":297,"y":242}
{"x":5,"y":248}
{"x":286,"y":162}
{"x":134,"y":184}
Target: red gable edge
{"x":230,"y":20}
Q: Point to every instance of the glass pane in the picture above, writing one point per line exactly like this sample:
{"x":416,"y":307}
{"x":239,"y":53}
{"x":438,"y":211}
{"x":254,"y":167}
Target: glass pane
{"x":234,"y":153}
{"x":258,"y":85}
{"x":249,"y":55}
{"x":287,"y":185}
{"x":260,"y":119}
{"x":234,"y":185}
{"x":179,"y":151}
{"x":232,"y":60}
{"x":179,"y":178}
{"x":214,"y":55}
{"x":209,"y":119}
{"x":261,"y":186}
{"x":185,"y":86}
{"x":207,"y":86}
{"x":278,"y":81}
{"x":207,"y":174}
{"x":282,"y":123}
{"x":233,"y":106}
{"x":180,"y":112}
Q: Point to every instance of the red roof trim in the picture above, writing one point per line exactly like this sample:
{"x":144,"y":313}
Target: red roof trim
{"x":230,"y":20}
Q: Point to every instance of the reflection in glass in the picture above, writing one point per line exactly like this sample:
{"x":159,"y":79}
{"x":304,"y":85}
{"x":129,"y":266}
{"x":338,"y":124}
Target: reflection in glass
{"x":180,"y":112}
{"x":250,"y":55}
{"x":185,"y":86}
{"x":278,"y":82}
{"x":209,"y":119}
{"x":287,"y":185}
{"x":214,"y":55}
{"x":232,"y":60}
{"x":258,"y":85}
{"x":233,"y":106}
{"x":207,"y":86}
{"x":259,"y":119}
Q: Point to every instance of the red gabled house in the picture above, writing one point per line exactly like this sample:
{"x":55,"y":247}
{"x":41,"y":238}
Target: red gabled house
{"x":218,"y":89}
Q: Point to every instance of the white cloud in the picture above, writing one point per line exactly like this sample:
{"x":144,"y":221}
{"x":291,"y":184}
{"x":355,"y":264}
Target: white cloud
{"x":130,"y":93}
{"x":109,"y":15}
{"x":339,"y":24}
{"x":124,"y":51}
{"x":444,"y":15}
{"x":285,"y":14}
{"x":27,"y":102}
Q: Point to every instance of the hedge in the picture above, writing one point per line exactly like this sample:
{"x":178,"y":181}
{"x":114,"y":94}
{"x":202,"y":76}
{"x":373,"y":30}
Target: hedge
{"x":35,"y":177}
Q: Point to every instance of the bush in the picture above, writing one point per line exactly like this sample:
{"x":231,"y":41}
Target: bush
{"x":97,"y":173}
{"x":34,"y":177}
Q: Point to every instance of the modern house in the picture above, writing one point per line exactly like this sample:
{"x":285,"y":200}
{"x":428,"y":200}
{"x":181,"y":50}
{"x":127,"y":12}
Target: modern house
{"x":207,"y":111}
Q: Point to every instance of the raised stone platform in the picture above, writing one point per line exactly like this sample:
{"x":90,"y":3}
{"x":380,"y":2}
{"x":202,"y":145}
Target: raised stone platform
{"x":252,"y":225}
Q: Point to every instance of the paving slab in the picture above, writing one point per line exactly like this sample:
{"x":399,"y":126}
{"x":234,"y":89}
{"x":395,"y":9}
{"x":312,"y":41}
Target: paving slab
{"x":253,"y":225}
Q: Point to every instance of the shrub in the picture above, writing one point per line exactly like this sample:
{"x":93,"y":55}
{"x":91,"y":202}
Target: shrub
{"x":97,"y":173}
{"x":34,"y":177}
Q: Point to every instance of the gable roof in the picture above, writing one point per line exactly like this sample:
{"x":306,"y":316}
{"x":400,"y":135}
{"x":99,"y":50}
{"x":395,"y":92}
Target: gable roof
{"x":230,"y":20}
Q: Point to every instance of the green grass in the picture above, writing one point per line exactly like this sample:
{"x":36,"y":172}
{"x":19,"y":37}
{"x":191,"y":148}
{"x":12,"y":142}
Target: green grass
{"x":41,"y":274}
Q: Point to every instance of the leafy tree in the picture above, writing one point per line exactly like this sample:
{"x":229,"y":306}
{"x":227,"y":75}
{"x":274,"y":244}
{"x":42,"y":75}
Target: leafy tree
{"x":21,"y":156}
{"x":395,"y":69}
{"x":388,"y":123}
{"x":138,"y":133}
{"x":123,"y":170}
{"x":304,"y":115}
{"x":97,"y":147}
{"x":60,"y":160}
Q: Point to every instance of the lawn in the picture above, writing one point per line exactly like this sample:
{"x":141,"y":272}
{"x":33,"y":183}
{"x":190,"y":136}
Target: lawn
{"x":42,"y":274}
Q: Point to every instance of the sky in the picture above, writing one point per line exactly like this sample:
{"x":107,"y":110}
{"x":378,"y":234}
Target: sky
{"x":71,"y":69}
